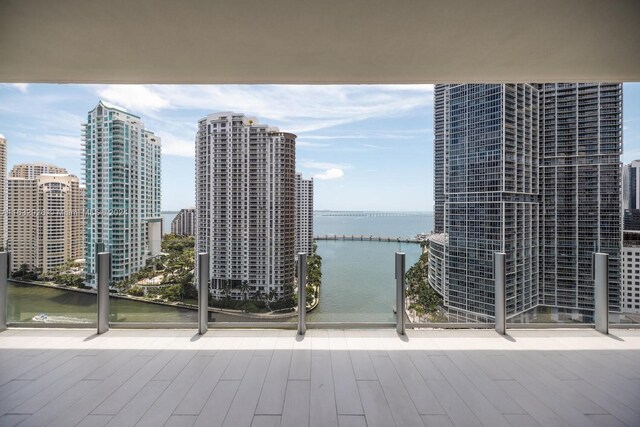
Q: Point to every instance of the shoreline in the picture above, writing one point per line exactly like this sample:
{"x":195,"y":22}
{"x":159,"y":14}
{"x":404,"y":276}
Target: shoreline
{"x":186,"y":306}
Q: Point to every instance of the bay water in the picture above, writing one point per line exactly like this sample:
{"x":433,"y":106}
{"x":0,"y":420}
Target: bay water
{"x":358,"y":277}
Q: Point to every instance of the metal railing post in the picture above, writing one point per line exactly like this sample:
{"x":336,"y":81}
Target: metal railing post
{"x":4,"y":289}
{"x":302,"y":293}
{"x":203,"y":293}
{"x":104,"y":277}
{"x":400,"y":293}
{"x":601,"y":291}
{"x":500,"y":279}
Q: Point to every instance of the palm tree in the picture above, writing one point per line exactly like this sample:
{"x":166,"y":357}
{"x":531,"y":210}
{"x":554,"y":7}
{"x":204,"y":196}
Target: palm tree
{"x":227,"y":288}
{"x":258,"y":295}
{"x":244,"y":288}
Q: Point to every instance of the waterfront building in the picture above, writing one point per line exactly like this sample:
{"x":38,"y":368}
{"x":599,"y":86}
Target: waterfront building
{"x":245,"y":205}
{"x":3,"y":190}
{"x":439,"y":128}
{"x":45,"y":221}
{"x":631,"y":237}
{"x":184,"y":224}
{"x":122,"y":164}
{"x":304,"y":215}
{"x":33,"y":170}
{"x":531,"y":170}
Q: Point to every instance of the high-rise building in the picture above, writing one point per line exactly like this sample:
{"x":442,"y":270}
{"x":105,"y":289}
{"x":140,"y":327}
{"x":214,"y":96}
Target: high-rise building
{"x":531,"y":170}
{"x":580,"y":142}
{"x":631,"y":237}
{"x":631,"y":195}
{"x":33,"y":170}
{"x":490,"y":188}
{"x":184,"y":224}
{"x":122,"y":164}
{"x":45,"y":218}
{"x":304,"y":215}
{"x":245,"y":204}
{"x":439,"y":129}
{"x":3,"y":190}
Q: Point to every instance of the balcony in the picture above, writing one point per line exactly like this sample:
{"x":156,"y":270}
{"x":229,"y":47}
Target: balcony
{"x":331,"y":377}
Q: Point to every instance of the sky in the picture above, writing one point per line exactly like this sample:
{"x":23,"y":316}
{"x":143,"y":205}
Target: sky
{"x":368,"y":147}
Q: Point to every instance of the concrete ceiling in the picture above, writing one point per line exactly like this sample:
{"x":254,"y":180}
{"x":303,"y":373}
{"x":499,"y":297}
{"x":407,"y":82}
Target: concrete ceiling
{"x":319,"y":41}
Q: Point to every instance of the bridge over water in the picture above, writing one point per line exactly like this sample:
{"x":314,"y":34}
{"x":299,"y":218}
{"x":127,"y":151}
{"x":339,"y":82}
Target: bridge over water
{"x":369,"y":238}
{"x":366,"y":213}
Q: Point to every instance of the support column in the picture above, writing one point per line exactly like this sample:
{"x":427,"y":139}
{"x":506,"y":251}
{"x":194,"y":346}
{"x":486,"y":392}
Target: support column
{"x":103,"y":272}
{"x":302,"y":293}
{"x":601,"y":291}
{"x":500,"y":279}
{"x":203,"y":293}
{"x":400,"y":293}
{"x":4,"y":289}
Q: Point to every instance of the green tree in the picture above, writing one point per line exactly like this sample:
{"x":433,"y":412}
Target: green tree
{"x":424,"y":299}
{"x":244,"y":288}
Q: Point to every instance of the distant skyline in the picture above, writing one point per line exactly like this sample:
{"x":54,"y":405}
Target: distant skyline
{"x":368,"y":147}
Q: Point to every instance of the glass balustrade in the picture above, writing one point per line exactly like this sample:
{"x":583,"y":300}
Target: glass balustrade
{"x":361,"y":292}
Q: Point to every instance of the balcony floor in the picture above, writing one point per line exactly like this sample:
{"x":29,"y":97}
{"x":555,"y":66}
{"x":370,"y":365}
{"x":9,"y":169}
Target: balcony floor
{"x":51,"y":377}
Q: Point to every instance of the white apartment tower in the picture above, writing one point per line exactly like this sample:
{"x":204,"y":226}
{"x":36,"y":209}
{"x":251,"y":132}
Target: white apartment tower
{"x":122,"y":166}
{"x":45,"y":217}
{"x":184,"y":224}
{"x":3,"y":189}
{"x":245,"y":205}
{"x":33,"y":170}
{"x":304,"y":215}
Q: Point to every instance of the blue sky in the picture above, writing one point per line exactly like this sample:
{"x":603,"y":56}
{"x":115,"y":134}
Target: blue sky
{"x":368,"y":147}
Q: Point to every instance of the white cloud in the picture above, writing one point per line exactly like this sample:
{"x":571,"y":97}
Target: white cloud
{"x":329,"y":170}
{"x":22,"y":87}
{"x":310,"y":164}
{"x":56,"y":146}
{"x":175,"y":146}
{"x":134,"y":97}
{"x":311,"y":144}
{"x":333,"y":173}
{"x":295,"y":108}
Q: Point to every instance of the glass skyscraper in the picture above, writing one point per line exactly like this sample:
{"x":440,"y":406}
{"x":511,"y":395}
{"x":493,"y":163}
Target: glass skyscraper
{"x":531,"y":170}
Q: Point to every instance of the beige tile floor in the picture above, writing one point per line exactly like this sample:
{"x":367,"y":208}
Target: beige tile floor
{"x":328,"y":378}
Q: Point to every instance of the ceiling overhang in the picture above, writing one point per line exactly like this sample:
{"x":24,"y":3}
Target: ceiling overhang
{"x":319,"y":41}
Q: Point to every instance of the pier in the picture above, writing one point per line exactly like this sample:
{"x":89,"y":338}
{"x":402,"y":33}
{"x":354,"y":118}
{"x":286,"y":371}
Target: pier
{"x":369,"y":238}
{"x":366,"y":213}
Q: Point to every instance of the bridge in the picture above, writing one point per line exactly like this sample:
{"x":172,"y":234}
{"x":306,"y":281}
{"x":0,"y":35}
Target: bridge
{"x":369,"y":238}
{"x":366,"y":213}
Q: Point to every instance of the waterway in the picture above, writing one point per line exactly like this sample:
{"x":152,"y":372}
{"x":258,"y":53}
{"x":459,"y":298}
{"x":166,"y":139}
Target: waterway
{"x":358,"y":283}
{"x":358,"y":278}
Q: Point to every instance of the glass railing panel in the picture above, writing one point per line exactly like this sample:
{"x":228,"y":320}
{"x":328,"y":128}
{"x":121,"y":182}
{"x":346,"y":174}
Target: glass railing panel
{"x":163,"y":291}
{"x":42,"y":304}
{"x":358,"y":280}
{"x":625,"y":318}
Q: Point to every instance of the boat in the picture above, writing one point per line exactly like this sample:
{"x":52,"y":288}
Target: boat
{"x":42,"y":317}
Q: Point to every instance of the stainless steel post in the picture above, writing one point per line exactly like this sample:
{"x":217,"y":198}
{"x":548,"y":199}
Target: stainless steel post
{"x":4,"y":289}
{"x":500,"y":279}
{"x":400,"y":293}
{"x":104,"y":277}
{"x":601,"y":291}
{"x":203,"y":293}
{"x":302,"y":293}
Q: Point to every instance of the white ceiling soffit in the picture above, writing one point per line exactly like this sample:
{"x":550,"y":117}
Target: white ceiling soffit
{"x":319,"y":41}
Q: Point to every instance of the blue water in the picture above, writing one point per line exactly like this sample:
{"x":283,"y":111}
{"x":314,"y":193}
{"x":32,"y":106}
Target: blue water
{"x":358,"y":278}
